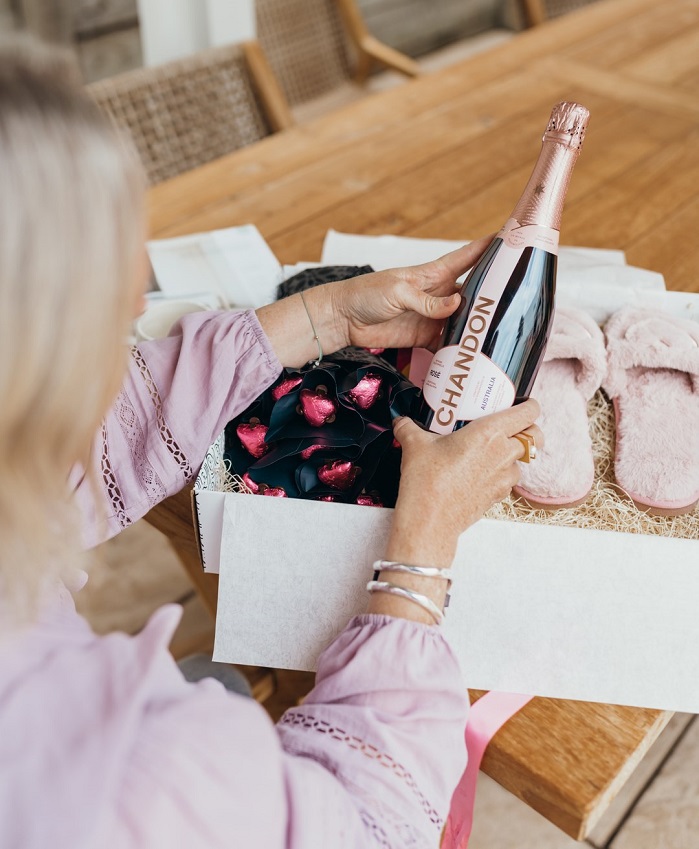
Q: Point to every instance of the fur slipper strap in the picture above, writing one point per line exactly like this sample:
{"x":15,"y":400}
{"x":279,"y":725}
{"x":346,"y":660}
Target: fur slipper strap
{"x":640,"y":337}
{"x":576,"y":336}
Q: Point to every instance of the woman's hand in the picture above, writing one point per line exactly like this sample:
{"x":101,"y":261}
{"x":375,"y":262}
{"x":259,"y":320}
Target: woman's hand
{"x":402,"y":307}
{"x":448,"y":482}
{"x":398,"y":308}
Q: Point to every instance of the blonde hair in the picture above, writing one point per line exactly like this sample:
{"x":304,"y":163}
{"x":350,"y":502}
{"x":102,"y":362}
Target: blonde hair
{"x":71,"y":239}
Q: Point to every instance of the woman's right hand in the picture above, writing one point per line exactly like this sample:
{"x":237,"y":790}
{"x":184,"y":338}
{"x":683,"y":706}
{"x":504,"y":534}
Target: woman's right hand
{"x":448,"y":482}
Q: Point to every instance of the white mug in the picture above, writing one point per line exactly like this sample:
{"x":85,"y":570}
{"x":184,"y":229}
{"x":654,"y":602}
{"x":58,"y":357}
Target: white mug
{"x":159,"y":317}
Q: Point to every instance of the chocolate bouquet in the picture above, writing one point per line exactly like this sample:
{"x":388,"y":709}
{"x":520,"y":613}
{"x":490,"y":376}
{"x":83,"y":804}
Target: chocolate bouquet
{"x":324,"y":432}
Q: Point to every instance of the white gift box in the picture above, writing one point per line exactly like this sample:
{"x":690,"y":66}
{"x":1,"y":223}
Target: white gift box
{"x":539,"y":609}
{"x":552,"y":611}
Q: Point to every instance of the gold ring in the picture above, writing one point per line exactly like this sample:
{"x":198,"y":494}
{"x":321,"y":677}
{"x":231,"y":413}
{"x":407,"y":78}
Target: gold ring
{"x":529,"y":444}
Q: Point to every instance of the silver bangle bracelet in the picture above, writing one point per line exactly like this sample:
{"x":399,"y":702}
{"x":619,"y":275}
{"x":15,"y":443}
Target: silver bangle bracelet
{"x":409,"y":595}
{"x":409,"y":569}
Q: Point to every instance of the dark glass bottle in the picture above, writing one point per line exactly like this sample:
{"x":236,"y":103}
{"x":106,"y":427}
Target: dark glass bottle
{"x":493,"y":344}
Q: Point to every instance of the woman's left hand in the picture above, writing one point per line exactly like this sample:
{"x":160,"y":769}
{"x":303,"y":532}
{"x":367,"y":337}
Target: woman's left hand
{"x":402,"y":307}
{"x":398,"y":308}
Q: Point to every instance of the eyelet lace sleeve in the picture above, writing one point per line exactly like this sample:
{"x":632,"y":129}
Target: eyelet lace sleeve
{"x":177,"y":396}
{"x":164,"y":431}
{"x":111,"y":485}
{"x":392,"y":731}
{"x":305,"y":720}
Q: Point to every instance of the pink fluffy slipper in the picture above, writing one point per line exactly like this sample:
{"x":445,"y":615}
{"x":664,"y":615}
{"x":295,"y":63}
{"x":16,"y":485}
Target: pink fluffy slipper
{"x":653,"y":380}
{"x":573,"y":368}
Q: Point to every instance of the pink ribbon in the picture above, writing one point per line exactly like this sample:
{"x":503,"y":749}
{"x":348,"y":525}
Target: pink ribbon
{"x":486,"y":718}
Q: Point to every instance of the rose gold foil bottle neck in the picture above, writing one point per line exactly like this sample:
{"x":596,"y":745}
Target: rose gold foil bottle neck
{"x":567,"y":124}
{"x":542,"y":201}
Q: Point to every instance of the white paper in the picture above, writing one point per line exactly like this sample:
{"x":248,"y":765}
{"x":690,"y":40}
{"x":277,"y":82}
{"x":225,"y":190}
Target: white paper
{"x":615,"y":623}
{"x":381,"y":252}
{"x":236,"y":264}
{"x":572,"y":273}
{"x":583,"y":274}
{"x":210,"y":300}
{"x":602,"y":301}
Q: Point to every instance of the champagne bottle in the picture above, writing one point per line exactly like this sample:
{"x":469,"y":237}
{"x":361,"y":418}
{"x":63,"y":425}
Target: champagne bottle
{"x":493,"y":344}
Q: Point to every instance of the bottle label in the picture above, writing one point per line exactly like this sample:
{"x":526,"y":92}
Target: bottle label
{"x":529,"y":236}
{"x":462,"y":383}
{"x":461,"y":386}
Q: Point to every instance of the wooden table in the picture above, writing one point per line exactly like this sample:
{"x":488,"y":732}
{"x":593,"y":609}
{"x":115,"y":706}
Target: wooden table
{"x":447,"y":156}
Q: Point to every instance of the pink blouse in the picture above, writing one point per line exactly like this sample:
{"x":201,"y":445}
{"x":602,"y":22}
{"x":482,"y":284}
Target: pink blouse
{"x":102,"y":742}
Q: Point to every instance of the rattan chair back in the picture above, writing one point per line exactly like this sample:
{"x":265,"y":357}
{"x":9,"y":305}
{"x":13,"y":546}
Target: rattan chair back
{"x":556,"y":8}
{"x":306,"y":45}
{"x":188,"y":112}
{"x":537,"y":11}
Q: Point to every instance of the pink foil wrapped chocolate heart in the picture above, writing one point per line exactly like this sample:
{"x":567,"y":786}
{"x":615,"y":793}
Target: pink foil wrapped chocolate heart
{"x":311,"y":450}
{"x":252,"y":438}
{"x":317,"y":408}
{"x":250,"y":484}
{"x":327,"y":498}
{"x":369,"y":501}
{"x":366,"y":391}
{"x":285,"y":387}
{"x":340,"y":474}
{"x":275,"y":492}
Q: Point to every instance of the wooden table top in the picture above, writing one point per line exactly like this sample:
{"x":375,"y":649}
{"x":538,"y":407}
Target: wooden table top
{"x":446,"y":156}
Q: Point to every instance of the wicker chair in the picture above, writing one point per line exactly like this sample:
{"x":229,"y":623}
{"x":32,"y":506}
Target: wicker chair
{"x":315,"y":46}
{"x":188,"y":112}
{"x":537,"y":11}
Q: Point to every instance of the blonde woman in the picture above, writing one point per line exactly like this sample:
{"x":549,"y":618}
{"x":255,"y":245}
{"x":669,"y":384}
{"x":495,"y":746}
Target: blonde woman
{"x":102,"y":742}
